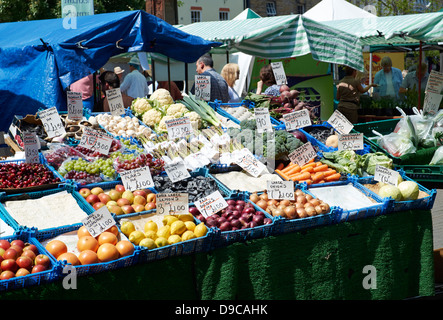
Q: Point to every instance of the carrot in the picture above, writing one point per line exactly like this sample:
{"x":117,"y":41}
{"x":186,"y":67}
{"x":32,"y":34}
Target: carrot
{"x":283,"y":175}
{"x":308,"y":181}
{"x":321,"y":181}
{"x":288,"y":167}
{"x":308,"y":169}
{"x":308,"y":165}
{"x":322,"y":167}
{"x":318,"y":163}
{"x":333,"y":177}
{"x":317,"y":176}
{"x":329,"y":172}
{"x":295,"y":169}
{"x":301,"y":176}
{"x":280,"y":166}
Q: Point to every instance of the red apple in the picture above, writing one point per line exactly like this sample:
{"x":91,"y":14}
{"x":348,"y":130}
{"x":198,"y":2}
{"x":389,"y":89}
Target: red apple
{"x":92,"y":198}
{"x":9,"y":264}
{"x":150,"y":206}
{"x":24,"y":262}
{"x":28,"y":253}
{"x":42,"y":259}
{"x":38,"y":268}
{"x":31,"y":247}
{"x":98,"y":205}
{"x":127,"y":209}
{"x":85,"y":192}
{"x":123,"y":202}
{"x":11,"y":253}
{"x":103,"y":197}
{"x":139,"y":199}
{"x":150,"y":197}
{"x":96,"y":190}
{"x":18,"y":242}
{"x":17,"y":248}
{"x":138,"y":207}
{"x":140,"y":192}
{"x":22,"y":272}
{"x":7,"y":274}
{"x":114,"y":194}
{"x":1,"y":259}
{"x":4,"y":244}
{"x":120,"y":188}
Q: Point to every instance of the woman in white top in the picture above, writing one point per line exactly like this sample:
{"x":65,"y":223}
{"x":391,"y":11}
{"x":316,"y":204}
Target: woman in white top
{"x":231,"y":73}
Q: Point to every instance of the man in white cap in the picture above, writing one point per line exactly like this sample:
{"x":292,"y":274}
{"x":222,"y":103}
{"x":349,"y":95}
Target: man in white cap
{"x":119,"y":72}
{"x":135,"y":84}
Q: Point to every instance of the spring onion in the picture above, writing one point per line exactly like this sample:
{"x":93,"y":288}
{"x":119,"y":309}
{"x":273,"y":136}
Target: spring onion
{"x":202,"y":108}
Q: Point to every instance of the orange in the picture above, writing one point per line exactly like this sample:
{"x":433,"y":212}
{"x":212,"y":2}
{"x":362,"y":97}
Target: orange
{"x":88,"y":257}
{"x":125,"y":248}
{"x":87,"y":243}
{"x":56,"y":248}
{"x":114,"y":230}
{"x":70,"y":258}
{"x":82,"y":231}
{"x":107,"y":237}
{"x":107,"y":252}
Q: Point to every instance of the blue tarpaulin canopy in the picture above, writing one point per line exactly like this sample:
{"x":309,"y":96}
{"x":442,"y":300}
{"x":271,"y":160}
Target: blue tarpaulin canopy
{"x":40,"y":59}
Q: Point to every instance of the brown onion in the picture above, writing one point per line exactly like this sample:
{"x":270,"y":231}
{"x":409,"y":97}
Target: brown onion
{"x":308,"y":197}
{"x":254,"y":197}
{"x":264,"y":196}
{"x":301,"y":199}
{"x":318,"y":209}
{"x":325,"y":207}
{"x":299,"y":205}
{"x":308,"y":204}
{"x":314,"y":201}
{"x":290,"y":212}
{"x":272,"y":202}
{"x":285,"y":202}
{"x":262,"y":204}
{"x":281,"y":206}
{"x":310,"y":211}
{"x":301,"y":213}
{"x":278,"y":212}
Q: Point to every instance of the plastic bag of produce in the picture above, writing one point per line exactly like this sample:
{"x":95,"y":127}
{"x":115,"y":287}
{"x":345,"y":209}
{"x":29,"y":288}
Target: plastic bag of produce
{"x":437,"y":159}
{"x":395,"y":144}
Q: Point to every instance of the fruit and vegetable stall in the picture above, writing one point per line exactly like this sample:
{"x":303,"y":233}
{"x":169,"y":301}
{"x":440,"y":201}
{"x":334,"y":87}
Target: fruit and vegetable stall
{"x":185,"y":192}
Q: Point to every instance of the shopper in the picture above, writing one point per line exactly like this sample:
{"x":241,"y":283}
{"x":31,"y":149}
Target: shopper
{"x":349,"y":90}
{"x":231,"y":73}
{"x":135,"y":84}
{"x":109,"y":80}
{"x":388,"y":80}
{"x":410,"y":82}
{"x":86,"y":87}
{"x":267,"y":78}
{"x":119,"y":72}
{"x":219,"y":87}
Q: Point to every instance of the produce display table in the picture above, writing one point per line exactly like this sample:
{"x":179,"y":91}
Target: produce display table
{"x":322,"y":263}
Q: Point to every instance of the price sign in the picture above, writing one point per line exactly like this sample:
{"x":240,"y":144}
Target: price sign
{"x":246,"y":160}
{"x":75,"y":105}
{"x":95,"y":141}
{"x":203,"y":87}
{"x":115,"y":101}
{"x":172,"y":203}
{"x":176,"y":171}
{"x":51,"y":122}
{"x":279,"y":73}
{"x":138,"y":178}
{"x":296,"y":120}
{"x":340,"y":122}
{"x":178,"y":128}
{"x":350,"y":141}
{"x":432,"y":102}
{"x":263,"y":120}
{"x":211,"y":204}
{"x":303,"y":154}
{"x":385,"y":175}
{"x":31,"y":147}
{"x":283,"y":190}
{"x":435,"y":82}
{"x":98,"y":221}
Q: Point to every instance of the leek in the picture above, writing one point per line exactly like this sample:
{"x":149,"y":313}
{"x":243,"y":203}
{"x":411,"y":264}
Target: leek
{"x":202,"y":108}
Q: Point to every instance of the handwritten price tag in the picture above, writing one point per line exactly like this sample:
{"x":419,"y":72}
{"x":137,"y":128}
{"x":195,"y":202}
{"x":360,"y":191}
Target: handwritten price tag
{"x":172,"y":203}
{"x":246,"y":160}
{"x":51,"y":122}
{"x":95,"y":141}
{"x":203,"y":87}
{"x":98,"y":221}
{"x":435,"y":82}
{"x":177,"y":171}
{"x":283,"y":190}
{"x":263,"y":120}
{"x":303,"y":154}
{"x":115,"y":101}
{"x":385,"y":175}
{"x":139,"y":178}
{"x":75,"y":105}
{"x":340,"y":122}
{"x":296,"y":120}
{"x":211,"y":204}
{"x":178,"y":128}
{"x":279,"y":73}
{"x":350,"y":141}
{"x":431,"y":103}
{"x":31,"y":147}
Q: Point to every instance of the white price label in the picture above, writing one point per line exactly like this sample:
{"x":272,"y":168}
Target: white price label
{"x":138,"y":178}
{"x":279,"y":73}
{"x":51,"y":122}
{"x":246,"y":160}
{"x":282,"y":190}
{"x":435,"y":82}
{"x":98,"y":221}
{"x":211,"y":204}
{"x":340,"y":122}
{"x":431,"y":103}
{"x":115,"y":101}
{"x":172,"y":203}
{"x":385,"y":175}
{"x":350,"y":141}
{"x":75,"y":105}
{"x":95,"y":141}
{"x":296,"y":120}
{"x":178,"y":128}
{"x":263,"y":120}
{"x":203,"y":87}
{"x":177,"y":171}
{"x":303,"y":154}
{"x":31,"y":147}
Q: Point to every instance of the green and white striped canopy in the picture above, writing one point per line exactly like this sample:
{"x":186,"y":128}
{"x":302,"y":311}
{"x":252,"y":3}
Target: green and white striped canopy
{"x":281,"y":37}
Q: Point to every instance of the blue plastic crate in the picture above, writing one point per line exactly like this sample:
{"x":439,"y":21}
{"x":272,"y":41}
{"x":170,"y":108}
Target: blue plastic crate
{"x":32,"y":279}
{"x":424,"y":203}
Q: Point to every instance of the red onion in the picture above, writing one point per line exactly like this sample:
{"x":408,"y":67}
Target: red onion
{"x":194,"y":211}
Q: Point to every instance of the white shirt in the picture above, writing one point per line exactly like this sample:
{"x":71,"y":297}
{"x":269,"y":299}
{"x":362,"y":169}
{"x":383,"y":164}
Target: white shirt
{"x":389,"y":85}
{"x":135,"y":85}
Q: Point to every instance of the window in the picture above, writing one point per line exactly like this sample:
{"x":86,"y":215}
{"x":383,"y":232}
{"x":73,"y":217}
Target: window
{"x":223,"y":14}
{"x":300,"y":8}
{"x":270,"y":9}
{"x":196,"y":14}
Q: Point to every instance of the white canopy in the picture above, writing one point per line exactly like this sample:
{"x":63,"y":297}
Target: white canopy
{"x":328,"y":10}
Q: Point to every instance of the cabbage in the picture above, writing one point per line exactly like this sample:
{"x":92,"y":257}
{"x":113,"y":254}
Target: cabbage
{"x":409,"y":190}
{"x":389,"y":190}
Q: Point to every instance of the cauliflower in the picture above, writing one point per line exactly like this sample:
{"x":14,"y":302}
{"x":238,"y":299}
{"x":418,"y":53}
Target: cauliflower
{"x":196,"y":120}
{"x":162,"y":96}
{"x":176,"y":110}
{"x":162,"y":125}
{"x":140,"y":105}
{"x":152,"y":117}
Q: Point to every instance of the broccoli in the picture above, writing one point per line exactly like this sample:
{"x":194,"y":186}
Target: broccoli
{"x":248,"y":124}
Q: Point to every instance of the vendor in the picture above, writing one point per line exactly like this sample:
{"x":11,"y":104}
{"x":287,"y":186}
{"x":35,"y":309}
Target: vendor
{"x":388,"y":80}
{"x":267,"y":78}
{"x":410,"y":82}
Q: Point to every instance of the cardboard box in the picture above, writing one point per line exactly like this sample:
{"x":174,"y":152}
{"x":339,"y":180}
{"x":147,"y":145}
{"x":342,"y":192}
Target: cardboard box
{"x":16,"y":128}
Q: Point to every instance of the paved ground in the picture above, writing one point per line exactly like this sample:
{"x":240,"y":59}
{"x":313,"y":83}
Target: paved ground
{"x":437,"y":220}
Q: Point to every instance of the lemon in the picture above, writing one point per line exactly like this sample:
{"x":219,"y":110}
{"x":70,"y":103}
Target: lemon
{"x":150,"y":225}
{"x":161,"y":242}
{"x":151,"y":234}
{"x":186,"y":217}
{"x":190,"y":225}
{"x":168,"y":220}
{"x":175,"y":238}
{"x":164,"y":232}
{"x":127,"y":227}
{"x":188,"y":235}
{"x":148,"y":243}
{"x":200,"y":230}
{"x":136,"y":236}
{"x":178,"y":227}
